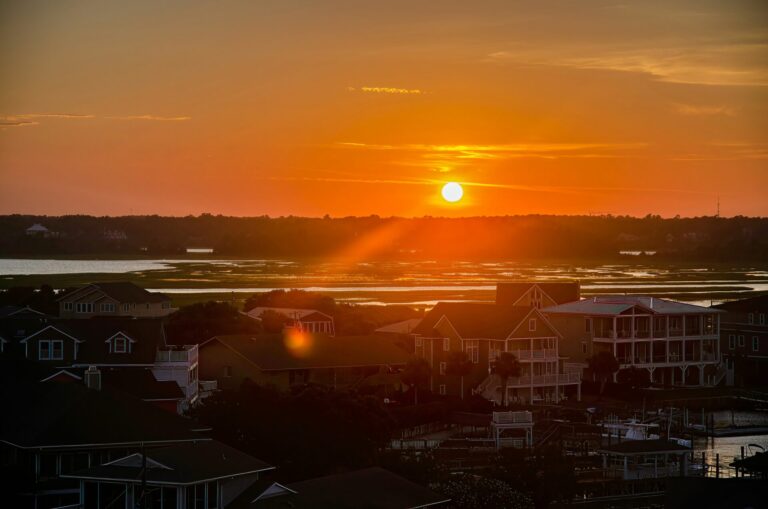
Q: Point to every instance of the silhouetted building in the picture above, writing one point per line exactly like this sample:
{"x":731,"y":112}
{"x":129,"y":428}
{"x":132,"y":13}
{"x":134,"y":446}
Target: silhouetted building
{"x":744,"y":340}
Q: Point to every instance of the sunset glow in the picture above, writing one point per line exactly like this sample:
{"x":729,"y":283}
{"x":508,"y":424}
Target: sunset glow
{"x":358,"y":108}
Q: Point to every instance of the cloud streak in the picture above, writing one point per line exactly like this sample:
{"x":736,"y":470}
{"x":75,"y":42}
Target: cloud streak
{"x":33,"y":119}
{"x":704,"y":110}
{"x":387,"y":90}
{"x":157,"y":118}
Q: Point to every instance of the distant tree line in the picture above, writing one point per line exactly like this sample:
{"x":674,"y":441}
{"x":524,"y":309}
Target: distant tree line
{"x":373,"y":237}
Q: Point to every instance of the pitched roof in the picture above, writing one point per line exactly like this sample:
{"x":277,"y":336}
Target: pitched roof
{"x":141,"y":383}
{"x":272,"y":351}
{"x":184,"y":463}
{"x":293,"y":313}
{"x":372,"y":488}
{"x":508,"y":293}
{"x":61,"y":415}
{"x":645,"y":447}
{"x":751,"y":304}
{"x":610,"y":305}
{"x":147,"y":333}
{"x":404,"y":327}
{"x":122,"y":291}
{"x":474,"y":319}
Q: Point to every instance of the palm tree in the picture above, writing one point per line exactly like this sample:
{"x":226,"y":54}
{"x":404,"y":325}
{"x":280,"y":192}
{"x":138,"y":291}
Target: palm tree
{"x":603,"y":365}
{"x":416,"y":373}
{"x":505,"y":366}
{"x":460,"y":365}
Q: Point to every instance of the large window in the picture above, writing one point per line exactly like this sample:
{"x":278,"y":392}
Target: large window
{"x":107,"y":307}
{"x":84,"y":307}
{"x":50,"y":350}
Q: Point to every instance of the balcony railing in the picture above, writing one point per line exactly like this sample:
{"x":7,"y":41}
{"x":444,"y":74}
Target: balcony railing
{"x":553,"y":379}
{"x":185,"y":356}
{"x":533,"y":355}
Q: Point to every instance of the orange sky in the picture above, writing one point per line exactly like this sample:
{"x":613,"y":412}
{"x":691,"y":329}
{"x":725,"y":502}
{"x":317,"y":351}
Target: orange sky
{"x":357,"y":108}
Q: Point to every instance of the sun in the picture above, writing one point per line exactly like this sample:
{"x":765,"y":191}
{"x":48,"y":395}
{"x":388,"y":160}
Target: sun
{"x":452,"y":192}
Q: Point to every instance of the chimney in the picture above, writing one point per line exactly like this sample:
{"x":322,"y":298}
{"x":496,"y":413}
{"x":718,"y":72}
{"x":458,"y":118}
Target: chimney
{"x":93,"y":378}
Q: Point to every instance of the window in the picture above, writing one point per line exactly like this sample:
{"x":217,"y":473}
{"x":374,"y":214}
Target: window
{"x":741,"y":340}
{"x":588,"y":325}
{"x":755,"y":343}
{"x":732,"y":341}
{"x":227,"y":371}
{"x":107,"y":307}
{"x":762,"y":318}
{"x":419,"y":342}
{"x":84,"y":307}
{"x":472,"y":349}
{"x":120,"y":344}
{"x":50,"y":350}
{"x":443,"y":367}
{"x":532,"y":324}
{"x":751,"y":318}
{"x":584,"y":347}
{"x":126,"y":307}
{"x":192,"y":376}
{"x":67,"y":306}
{"x":446,"y":344}
{"x":442,"y":390}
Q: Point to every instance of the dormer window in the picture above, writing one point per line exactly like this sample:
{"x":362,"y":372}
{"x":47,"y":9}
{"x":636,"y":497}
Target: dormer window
{"x":119,"y":343}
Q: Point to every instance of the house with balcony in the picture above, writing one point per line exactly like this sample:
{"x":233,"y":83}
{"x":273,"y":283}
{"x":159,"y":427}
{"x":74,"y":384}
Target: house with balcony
{"x":744,"y":340}
{"x":118,"y":298}
{"x":677,"y":343}
{"x":645,"y":459}
{"x":483,"y":331}
{"x":130,"y":352}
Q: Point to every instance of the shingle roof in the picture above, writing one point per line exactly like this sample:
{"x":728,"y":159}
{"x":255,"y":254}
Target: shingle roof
{"x":616,"y":304}
{"x":124,"y":291}
{"x":147,"y":332}
{"x":184,"y":463}
{"x":141,"y":383}
{"x":474,"y":320}
{"x":371,"y":488}
{"x":508,"y":293}
{"x":51,"y":414}
{"x":403,"y":327}
{"x":750,"y":304}
{"x":270,"y":351}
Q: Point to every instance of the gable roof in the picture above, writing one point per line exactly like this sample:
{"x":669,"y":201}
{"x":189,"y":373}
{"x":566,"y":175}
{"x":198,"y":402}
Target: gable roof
{"x":69,"y":415}
{"x":141,"y":383}
{"x":403,"y":327}
{"x":751,"y":304}
{"x":474,"y":319}
{"x":293,"y":313}
{"x":148,"y":334}
{"x":609,"y":305}
{"x":372,"y":488}
{"x":508,"y":293}
{"x":269,"y":352}
{"x":18,"y":312}
{"x":121,"y":291}
{"x":178,"y":464}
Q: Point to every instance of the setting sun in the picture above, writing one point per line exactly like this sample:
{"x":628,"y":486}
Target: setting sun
{"x":452,"y":192}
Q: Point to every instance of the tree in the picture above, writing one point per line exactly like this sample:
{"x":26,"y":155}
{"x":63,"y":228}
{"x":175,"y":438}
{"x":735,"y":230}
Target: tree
{"x":505,"y":366}
{"x":272,"y":321}
{"x":198,"y":322}
{"x":634,"y":377}
{"x":417,"y":372}
{"x":459,"y":365}
{"x":603,"y":365}
{"x":470,"y":491}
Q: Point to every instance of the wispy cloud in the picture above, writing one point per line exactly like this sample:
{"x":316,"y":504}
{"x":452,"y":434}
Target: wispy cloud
{"x":157,"y":118}
{"x":714,"y":62}
{"x":33,"y":119}
{"x":704,"y":110}
{"x":387,"y":90}
{"x":727,"y":151}
{"x":506,"y":151}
